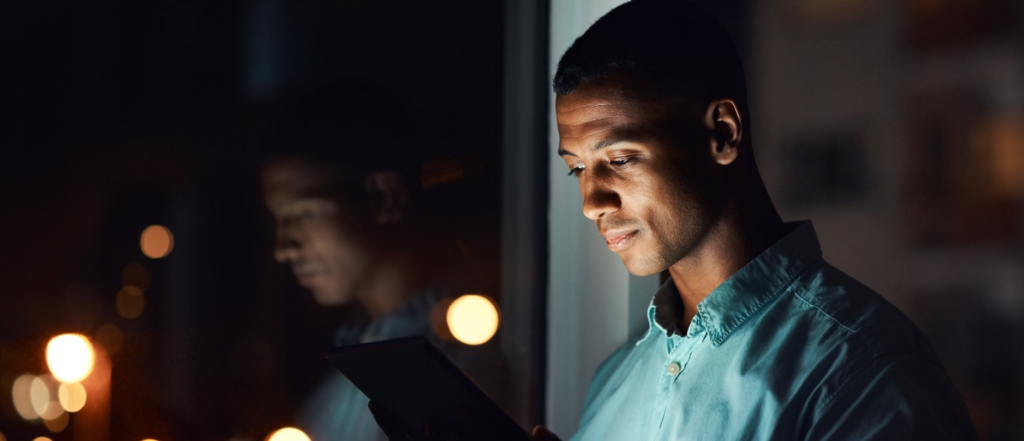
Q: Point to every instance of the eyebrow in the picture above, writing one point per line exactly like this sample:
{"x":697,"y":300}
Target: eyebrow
{"x":597,"y":146}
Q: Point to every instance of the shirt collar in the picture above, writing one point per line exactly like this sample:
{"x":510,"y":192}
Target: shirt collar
{"x":745,"y":292}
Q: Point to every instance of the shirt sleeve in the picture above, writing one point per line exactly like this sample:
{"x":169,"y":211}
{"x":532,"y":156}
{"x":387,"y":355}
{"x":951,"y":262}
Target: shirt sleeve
{"x":897,"y":396}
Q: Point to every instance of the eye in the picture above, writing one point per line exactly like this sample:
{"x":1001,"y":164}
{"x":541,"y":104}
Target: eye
{"x":621,"y":162}
{"x":576,"y":170}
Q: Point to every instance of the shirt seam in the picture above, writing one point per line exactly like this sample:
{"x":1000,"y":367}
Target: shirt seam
{"x":829,"y":400}
{"x":788,"y":285}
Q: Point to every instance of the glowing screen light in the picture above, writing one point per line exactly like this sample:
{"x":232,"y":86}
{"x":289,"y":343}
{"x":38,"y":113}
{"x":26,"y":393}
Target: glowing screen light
{"x":473,"y":319}
{"x":288,"y":434}
{"x":22,"y":395}
{"x":156,"y":242}
{"x":72,"y":396}
{"x":70,"y":357}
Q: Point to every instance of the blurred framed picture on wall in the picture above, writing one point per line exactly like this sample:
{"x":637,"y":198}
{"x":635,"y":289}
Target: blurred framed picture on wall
{"x":965,"y":176}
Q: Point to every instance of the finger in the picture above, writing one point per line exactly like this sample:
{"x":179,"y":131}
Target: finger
{"x":541,"y":433}
{"x":387,"y":423}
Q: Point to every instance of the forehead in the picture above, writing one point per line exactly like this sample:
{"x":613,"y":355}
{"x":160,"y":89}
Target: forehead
{"x":288,"y":180}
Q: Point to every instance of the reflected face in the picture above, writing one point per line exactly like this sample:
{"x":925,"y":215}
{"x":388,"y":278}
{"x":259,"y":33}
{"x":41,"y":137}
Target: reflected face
{"x":315,"y":234}
{"x":642,"y":178}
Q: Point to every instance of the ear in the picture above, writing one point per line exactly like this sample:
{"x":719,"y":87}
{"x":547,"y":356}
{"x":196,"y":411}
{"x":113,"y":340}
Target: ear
{"x":723,"y":119}
{"x":390,"y":195}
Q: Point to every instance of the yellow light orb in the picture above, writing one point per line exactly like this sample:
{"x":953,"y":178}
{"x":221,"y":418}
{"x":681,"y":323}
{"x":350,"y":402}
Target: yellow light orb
{"x":22,"y":395}
{"x":473,"y":319}
{"x":288,"y":434}
{"x":72,"y":396}
{"x":39,"y":395}
{"x":70,"y":357}
{"x":156,"y":241}
{"x":42,"y":438}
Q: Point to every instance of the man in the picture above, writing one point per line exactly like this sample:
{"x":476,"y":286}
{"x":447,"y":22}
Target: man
{"x":337,"y":185}
{"x":754,"y":336}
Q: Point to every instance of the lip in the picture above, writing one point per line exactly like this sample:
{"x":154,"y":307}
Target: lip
{"x":306,"y":277}
{"x":618,"y":240}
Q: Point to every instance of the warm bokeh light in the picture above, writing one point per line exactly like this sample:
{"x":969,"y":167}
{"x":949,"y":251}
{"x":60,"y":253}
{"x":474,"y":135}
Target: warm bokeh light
{"x":288,"y":434}
{"x":2,"y":437}
{"x":72,"y":396}
{"x":42,"y":438}
{"x":130,"y":302}
{"x":70,"y":357}
{"x":39,"y":395}
{"x":473,"y":319}
{"x":135,"y":274}
{"x":149,"y":439}
{"x":111,"y":337}
{"x":58,"y":422}
{"x":156,"y":242}
{"x":22,"y":395}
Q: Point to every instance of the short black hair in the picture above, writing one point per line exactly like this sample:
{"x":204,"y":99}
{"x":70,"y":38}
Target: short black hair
{"x":350,"y":128}
{"x":671,"y":48}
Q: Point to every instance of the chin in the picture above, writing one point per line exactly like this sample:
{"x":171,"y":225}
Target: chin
{"x":640,"y":267}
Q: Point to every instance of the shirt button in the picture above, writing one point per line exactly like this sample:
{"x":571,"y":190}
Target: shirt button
{"x":673,"y":368}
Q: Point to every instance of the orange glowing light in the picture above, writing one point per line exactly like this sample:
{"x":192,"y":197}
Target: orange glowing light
{"x":70,"y":357}
{"x":473,"y":319}
{"x":42,"y":438}
{"x":22,"y":395}
{"x":58,"y":422}
{"x":130,"y":302}
{"x":111,"y":337}
{"x":288,"y":434}
{"x":135,"y":274}
{"x":156,"y":242}
{"x":71,"y":396}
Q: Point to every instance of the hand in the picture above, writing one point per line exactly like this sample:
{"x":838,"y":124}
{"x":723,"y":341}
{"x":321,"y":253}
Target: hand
{"x":541,"y":433}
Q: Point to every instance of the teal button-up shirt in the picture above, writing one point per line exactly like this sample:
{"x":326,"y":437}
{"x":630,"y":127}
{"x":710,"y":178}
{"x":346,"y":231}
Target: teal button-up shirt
{"x":788,"y":348}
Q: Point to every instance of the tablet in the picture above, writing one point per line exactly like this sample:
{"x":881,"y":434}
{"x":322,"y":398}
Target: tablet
{"x":416,"y":383}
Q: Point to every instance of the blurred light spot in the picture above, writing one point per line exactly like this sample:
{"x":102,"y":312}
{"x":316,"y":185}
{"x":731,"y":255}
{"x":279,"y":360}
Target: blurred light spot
{"x":21,"y":393}
{"x":136,"y":275}
{"x":70,"y":357}
{"x":72,"y":396}
{"x":130,"y":302}
{"x":59,"y":421}
{"x":156,"y":241}
{"x":288,"y":434}
{"x":473,"y":319}
{"x":149,"y":439}
{"x":440,"y":169}
{"x":42,"y":438}
{"x":39,"y":394}
{"x":111,"y":337}
{"x":2,"y":437}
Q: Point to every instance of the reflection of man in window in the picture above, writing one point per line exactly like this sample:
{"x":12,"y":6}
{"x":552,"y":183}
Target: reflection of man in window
{"x":347,"y":226}
{"x":754,"y":336}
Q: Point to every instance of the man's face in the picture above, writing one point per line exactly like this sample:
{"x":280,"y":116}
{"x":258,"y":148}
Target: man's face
{"x":315,"y":234}
{"x":643,"y":178}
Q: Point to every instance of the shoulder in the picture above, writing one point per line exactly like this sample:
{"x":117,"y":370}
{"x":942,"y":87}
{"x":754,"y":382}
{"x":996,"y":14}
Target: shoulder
{"x":861,"y":316}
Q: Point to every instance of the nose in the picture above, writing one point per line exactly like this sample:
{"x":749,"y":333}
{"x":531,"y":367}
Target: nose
{"x":598,"y":198}
{"x":286,"y":245}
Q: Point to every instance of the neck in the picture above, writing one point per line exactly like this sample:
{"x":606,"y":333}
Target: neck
{"x":391,"y":284}
{"x":748,"y":226}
